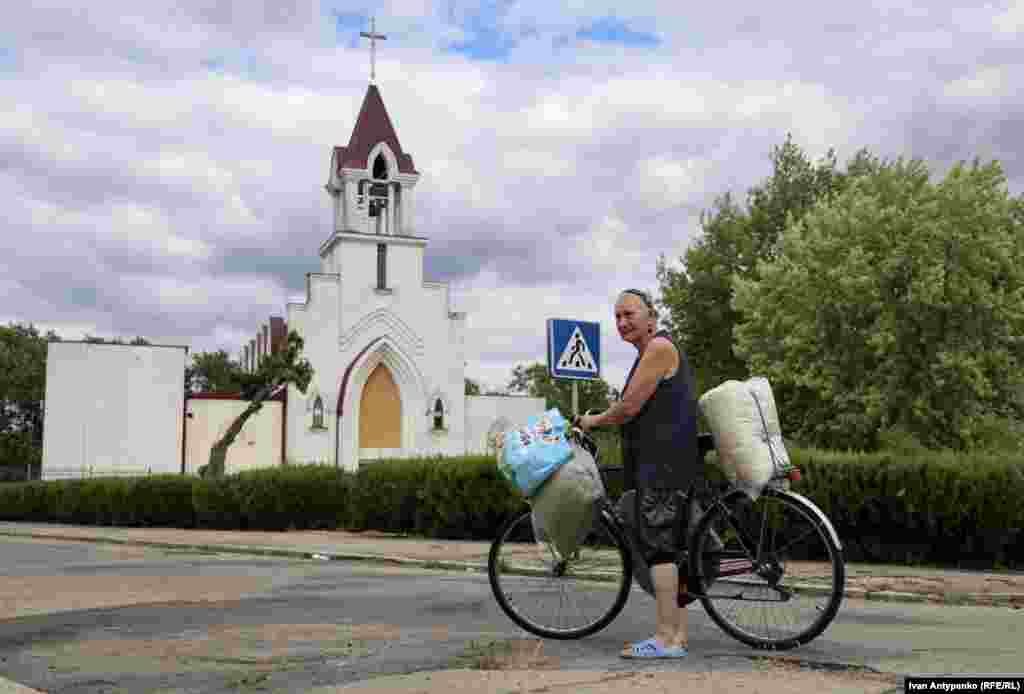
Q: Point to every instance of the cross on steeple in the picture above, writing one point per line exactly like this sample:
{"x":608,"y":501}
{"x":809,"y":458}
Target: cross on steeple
{"x":373,"y":36}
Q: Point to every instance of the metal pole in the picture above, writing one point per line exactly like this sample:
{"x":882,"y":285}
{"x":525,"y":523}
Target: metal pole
{"x":575,"y":398}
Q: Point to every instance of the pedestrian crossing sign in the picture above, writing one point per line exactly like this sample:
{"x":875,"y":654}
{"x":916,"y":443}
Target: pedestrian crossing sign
{"x":574,"y":349}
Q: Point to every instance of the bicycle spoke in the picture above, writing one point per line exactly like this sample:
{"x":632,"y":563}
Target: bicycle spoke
{"x":791,"y":543}
{"x":559,"y":598}
{"x":747,"y":593}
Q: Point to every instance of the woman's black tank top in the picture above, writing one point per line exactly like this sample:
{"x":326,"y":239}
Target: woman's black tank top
{"x":659,"y":445}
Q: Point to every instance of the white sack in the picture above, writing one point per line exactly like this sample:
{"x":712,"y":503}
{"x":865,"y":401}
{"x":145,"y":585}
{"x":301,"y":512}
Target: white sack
{"x":748,"y":437}
{"x":564,"y":507}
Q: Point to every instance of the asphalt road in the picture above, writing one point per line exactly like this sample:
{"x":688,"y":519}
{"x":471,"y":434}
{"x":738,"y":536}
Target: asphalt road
{"x":280,"y":625}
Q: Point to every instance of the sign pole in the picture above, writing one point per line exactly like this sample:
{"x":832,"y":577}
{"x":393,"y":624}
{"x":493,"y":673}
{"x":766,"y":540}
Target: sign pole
{"x":574,"y":352}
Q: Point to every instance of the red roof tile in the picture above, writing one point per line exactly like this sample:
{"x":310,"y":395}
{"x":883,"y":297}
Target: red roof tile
{"x":372,"y":126}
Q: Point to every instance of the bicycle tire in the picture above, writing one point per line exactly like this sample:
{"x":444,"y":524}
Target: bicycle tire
{"x":709,"y":563}
{"x":495,"y":573}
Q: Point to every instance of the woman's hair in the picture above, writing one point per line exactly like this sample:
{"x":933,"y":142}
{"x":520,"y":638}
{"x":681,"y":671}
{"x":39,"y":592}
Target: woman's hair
{"x":644,"y":297}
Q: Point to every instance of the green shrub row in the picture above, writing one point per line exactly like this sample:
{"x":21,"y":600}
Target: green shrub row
{"x":453,"y":498}
{"x":919,"y":508}
{"x":927,"y":507}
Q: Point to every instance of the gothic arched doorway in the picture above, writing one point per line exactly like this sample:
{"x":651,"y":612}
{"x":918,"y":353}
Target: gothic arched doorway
{"x":380,"y":411}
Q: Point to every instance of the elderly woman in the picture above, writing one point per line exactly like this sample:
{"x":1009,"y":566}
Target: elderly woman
{"x":658,"y":414}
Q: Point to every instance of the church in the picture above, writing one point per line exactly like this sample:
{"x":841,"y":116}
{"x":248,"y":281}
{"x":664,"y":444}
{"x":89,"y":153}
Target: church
{"x":386,"y":347}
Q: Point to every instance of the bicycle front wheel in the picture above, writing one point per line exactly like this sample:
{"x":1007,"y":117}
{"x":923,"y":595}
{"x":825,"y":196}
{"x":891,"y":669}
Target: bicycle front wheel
{"x":771,"y":572}
{"x":560,"y":597}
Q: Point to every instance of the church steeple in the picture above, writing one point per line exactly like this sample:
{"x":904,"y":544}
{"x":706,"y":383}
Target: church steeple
{"x":372,"y":178}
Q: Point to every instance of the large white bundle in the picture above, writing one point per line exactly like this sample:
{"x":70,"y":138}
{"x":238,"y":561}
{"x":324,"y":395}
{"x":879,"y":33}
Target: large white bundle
{"x":564,"y":507}
{"x":748,"y":437}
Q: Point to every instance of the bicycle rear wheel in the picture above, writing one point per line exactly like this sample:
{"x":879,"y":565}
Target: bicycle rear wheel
{"x":554,"y":597}
{"x":771,"y":572}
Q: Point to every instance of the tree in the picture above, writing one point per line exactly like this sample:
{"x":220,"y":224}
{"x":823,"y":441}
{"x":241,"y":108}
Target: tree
{"x":472,"y":387}
{"x":22,"y":390}
{"x":214,"y":372}
{"x":277,"y":370}
{"x":23,"y":378}
{"x":896,"y":306}
{"x":699,"y":312}
{"x":535,"y":381}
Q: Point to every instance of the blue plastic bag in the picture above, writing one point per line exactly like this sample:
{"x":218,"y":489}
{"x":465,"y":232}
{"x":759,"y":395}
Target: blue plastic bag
{"x":532,"y":453}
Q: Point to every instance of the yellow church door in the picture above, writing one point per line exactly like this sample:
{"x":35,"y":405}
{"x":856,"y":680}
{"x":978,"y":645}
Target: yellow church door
{"x":380,"y":416}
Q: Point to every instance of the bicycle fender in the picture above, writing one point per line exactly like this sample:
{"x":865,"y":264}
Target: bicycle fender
{"x":820,"y":516}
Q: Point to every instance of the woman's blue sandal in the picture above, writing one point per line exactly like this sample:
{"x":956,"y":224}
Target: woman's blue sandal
{"x":652,"y":649}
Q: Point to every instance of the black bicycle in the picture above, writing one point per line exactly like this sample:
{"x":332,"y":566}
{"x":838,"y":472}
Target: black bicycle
{"x":770,"y":572}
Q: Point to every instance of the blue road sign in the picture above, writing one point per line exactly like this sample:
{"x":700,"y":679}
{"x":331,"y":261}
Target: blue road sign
{"x":574,"y":349}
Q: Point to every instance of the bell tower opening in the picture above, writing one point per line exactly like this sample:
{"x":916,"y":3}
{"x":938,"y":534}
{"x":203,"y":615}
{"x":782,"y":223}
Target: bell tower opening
{"x":380,"y":167}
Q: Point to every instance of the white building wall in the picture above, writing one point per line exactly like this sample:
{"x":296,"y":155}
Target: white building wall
{"x":258,"y":444}
{"x":316,"y":322}
{"x":113,"y":409}
{"x":422,"y":343}
{"x":486,"y":413}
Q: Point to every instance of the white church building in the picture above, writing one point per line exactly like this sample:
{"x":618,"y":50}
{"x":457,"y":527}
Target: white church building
{"x":386,"y":347}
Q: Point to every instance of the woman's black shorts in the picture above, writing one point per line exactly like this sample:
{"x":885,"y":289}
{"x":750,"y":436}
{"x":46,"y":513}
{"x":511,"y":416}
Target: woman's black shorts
{"x":660,"y":525}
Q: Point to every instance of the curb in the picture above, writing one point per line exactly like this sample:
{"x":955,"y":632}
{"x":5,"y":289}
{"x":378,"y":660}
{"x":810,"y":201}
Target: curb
{"x":1014,"y":600}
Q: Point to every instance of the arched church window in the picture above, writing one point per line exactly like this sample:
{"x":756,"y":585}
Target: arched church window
{"x":380,"y":168}
{"x":438,"y":414}
{"x":318,"y":413}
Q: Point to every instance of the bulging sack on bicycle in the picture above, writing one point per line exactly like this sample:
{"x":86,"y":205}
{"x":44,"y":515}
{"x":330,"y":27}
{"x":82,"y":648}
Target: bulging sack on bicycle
{"x":529,"y":455}
{"x":565,"y":506}
{"x":748,"y":436}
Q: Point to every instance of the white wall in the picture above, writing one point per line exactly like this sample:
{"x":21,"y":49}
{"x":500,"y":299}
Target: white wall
{"x":258,"y":444}
{"x":483,"y":411}
{"x":116,"y":409}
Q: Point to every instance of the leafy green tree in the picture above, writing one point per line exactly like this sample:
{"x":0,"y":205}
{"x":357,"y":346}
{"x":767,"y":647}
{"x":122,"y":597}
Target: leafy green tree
{"x":697,"y":299}
{"x":22,"y":377}
{"x":214,"y":372}
{"x":535,"y":381}
{"x":896,"y":306}
{"x":472,"y":387}
{"x":22,"y":390}
{"x":277,"y":370}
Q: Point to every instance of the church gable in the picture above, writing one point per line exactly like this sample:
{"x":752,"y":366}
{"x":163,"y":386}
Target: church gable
{"x":373,"y":126}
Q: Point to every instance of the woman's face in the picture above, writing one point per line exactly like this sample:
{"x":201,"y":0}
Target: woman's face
{"x":632,"y":318}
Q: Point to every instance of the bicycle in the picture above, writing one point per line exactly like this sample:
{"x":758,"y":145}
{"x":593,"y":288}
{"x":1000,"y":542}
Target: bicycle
{"x":731,"y":560}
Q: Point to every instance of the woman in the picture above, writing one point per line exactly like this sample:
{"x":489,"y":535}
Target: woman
{"x":658,"y":414}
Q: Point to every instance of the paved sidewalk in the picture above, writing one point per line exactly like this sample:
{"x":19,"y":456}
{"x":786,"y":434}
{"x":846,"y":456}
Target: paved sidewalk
{"x":864,"y":581}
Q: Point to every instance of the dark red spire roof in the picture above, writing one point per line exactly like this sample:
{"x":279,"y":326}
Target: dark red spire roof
{"x":372,"y":126}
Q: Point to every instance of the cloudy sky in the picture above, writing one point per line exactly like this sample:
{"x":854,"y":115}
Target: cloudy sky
{"x":162,"y":163}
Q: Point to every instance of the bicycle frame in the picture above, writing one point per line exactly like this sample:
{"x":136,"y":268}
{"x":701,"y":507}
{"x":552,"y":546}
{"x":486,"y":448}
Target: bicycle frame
{"x":705,"y":444}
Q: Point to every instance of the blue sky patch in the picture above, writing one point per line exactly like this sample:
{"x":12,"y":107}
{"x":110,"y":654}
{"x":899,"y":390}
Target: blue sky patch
{"x":612,"y":30}
{"x":484,"y":39}
{"x":85,"y":297}
{"x":8,"y":58}
{"x":347,"y":26}
{"x":483,"y":45}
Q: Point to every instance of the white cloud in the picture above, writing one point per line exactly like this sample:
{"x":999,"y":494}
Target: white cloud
{"x":536,"y":163}
{"x":986,"y":83}
{"x":665,"y":182}
{"x":557,"y":173}
{"x":1011,"y":21}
